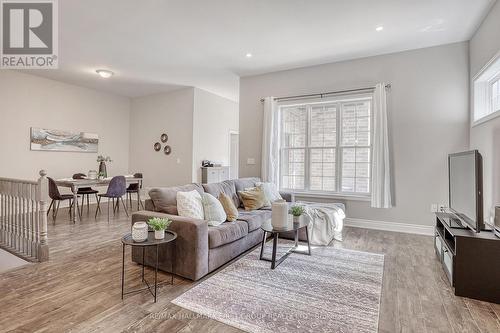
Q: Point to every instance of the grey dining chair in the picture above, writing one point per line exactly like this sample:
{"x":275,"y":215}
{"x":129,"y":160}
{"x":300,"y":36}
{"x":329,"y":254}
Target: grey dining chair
{"x":135,"y":188}
{"x":85,"y":191}
{"x":117,"y":188}
{"x":57,"y":197}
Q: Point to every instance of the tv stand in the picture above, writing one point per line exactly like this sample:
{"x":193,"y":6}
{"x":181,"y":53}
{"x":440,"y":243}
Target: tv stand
{"x":469,"y":259}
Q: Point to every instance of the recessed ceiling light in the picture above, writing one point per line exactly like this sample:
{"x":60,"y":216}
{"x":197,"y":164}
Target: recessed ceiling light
{"x":248,"y":55}
{"x":379,"y":28}
{"x":104,"y":73}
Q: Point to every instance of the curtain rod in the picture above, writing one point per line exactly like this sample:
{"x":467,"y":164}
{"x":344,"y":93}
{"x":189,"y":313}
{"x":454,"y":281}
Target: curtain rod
{"x":321,"y":95}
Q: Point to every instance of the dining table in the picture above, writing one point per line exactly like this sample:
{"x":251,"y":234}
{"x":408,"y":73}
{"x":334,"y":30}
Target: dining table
{"x":75,"y":184}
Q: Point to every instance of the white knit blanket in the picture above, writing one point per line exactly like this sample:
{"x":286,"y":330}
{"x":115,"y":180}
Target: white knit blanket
{"x":327,"y":222}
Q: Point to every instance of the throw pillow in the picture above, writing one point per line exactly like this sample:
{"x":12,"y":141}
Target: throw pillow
{"x":189,"y":204}
{"x":229,"y":207}
{"x":213,"y":210}
{"x":267,"y":202}
{"x":165,"y":198}
{"x":252,"y":199}
{"x":271,"y":191}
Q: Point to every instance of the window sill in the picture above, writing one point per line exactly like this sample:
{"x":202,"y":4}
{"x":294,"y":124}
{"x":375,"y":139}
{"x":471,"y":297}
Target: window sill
{"x":485,"y":119}
{"x":331,"y":196}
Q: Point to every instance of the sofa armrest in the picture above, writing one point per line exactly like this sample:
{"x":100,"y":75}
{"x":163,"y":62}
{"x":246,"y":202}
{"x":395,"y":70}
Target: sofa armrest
{"x":287,"y":196}
{"x":191,"y":245}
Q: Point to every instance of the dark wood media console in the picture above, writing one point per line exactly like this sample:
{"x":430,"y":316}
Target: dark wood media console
{"x":471,"y":260}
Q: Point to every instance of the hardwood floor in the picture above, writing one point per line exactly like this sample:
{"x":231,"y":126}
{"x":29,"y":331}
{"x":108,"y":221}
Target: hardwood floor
{"x":78,"y":290}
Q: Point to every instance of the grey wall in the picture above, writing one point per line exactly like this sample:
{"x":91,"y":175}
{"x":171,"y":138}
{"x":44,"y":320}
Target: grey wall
{"x":170,"y":113}
{"x":428,"y":118}
{"x":30,"y":101}
{"x":485,"y":137}
{"x":214,"y":117}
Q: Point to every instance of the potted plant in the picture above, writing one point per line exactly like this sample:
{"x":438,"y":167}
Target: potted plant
{"x":296,"y":211}
{"x":102,"y":164}
{"x":159,"y":225}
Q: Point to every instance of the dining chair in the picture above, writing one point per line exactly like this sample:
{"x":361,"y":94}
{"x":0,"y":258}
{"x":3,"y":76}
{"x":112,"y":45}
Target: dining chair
{"x":117,"y":188}
{"x":85,"y":191}
{"x":56,"y":196}
{"x":135,"y":188}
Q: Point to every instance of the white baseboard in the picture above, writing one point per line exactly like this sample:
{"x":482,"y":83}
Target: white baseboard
{"x":427,"y":230}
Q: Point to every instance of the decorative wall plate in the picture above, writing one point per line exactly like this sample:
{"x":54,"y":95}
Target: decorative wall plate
{"x":167,"y":150}
{"x":157,"y":146}
{"x":164,"y":138}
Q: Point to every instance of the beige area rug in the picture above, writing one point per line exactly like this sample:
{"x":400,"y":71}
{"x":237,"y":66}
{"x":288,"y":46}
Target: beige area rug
{"x":334,"y":290}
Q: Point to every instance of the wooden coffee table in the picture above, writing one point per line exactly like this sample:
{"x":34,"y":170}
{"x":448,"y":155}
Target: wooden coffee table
{"x":301,"y":222}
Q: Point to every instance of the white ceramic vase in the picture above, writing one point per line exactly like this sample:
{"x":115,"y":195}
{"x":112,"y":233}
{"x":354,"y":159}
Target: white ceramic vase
{"x":140,"y":231}
{"x":159,"y":234}
{"x":279,"y":214}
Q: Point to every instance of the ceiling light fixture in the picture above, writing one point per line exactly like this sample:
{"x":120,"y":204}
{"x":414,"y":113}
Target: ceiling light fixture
{"x":104,"y":73}
{"x":379,"y":28}
{"x":249,"y":55}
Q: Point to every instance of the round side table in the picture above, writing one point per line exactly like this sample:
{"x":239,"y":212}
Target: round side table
{"x":170,"y":236}
{"x":294,"y":226}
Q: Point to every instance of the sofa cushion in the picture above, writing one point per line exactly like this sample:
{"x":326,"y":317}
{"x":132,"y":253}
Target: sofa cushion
{"x":271,"y":191}
{"x":254,"y":218}
{"x":165,"y":198}
{"x":267,"y":203}
{"x":252,"y":198}
{"x":229,"y":207}
{"x":227,"y":187}
{"x":243,"y":183}
{"x":226,"y":233}
{"x":189,"y":204}
{"x":213,"y":209}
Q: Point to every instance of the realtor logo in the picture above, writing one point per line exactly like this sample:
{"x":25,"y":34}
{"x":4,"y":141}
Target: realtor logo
{"x":29,"y":34}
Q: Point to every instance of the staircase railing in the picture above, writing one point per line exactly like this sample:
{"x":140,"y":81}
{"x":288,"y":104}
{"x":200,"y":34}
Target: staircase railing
{"x":23,"y":217}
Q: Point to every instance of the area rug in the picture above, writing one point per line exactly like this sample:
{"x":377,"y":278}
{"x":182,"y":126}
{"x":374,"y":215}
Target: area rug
{"x":333,"y":290}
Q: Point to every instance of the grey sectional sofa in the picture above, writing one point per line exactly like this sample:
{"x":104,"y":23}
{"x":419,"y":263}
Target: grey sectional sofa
{"x":199,"y":248}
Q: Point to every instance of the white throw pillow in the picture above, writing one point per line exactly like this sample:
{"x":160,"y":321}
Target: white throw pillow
{"x":270,"y":191}
{"x":213,"y":210}
{"x":189,"y":204}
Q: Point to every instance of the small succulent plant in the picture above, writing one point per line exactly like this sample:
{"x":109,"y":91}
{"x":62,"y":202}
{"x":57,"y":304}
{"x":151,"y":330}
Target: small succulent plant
{"x":297,"y":210}
{"x":158,"y":223}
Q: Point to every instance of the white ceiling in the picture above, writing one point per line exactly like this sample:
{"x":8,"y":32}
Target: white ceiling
{"x":155,"y":46}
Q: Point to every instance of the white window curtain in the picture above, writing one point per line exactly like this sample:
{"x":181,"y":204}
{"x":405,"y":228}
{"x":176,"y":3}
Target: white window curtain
{"x":270,"y":144}
{"x":381,"y":169}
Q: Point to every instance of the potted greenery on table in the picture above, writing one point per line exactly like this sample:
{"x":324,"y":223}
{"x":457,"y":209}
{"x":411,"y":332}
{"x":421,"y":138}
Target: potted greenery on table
{"x":159,"y":225}
{"x":296,"y":211}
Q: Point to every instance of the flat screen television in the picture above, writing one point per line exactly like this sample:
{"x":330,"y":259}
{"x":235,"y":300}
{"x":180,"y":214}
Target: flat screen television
{"x":466,"y":188}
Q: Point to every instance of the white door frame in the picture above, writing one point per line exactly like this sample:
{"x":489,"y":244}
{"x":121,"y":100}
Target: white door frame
{"x":233,"y":132}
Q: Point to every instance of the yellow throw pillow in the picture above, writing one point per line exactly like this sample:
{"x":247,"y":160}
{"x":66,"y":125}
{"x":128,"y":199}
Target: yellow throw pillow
{"x":229,"y":207}
{"x":252,"y":198}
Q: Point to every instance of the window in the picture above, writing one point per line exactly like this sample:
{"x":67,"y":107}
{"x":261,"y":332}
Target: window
{"x":326,"y":146}
{"x":487,"y":92}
